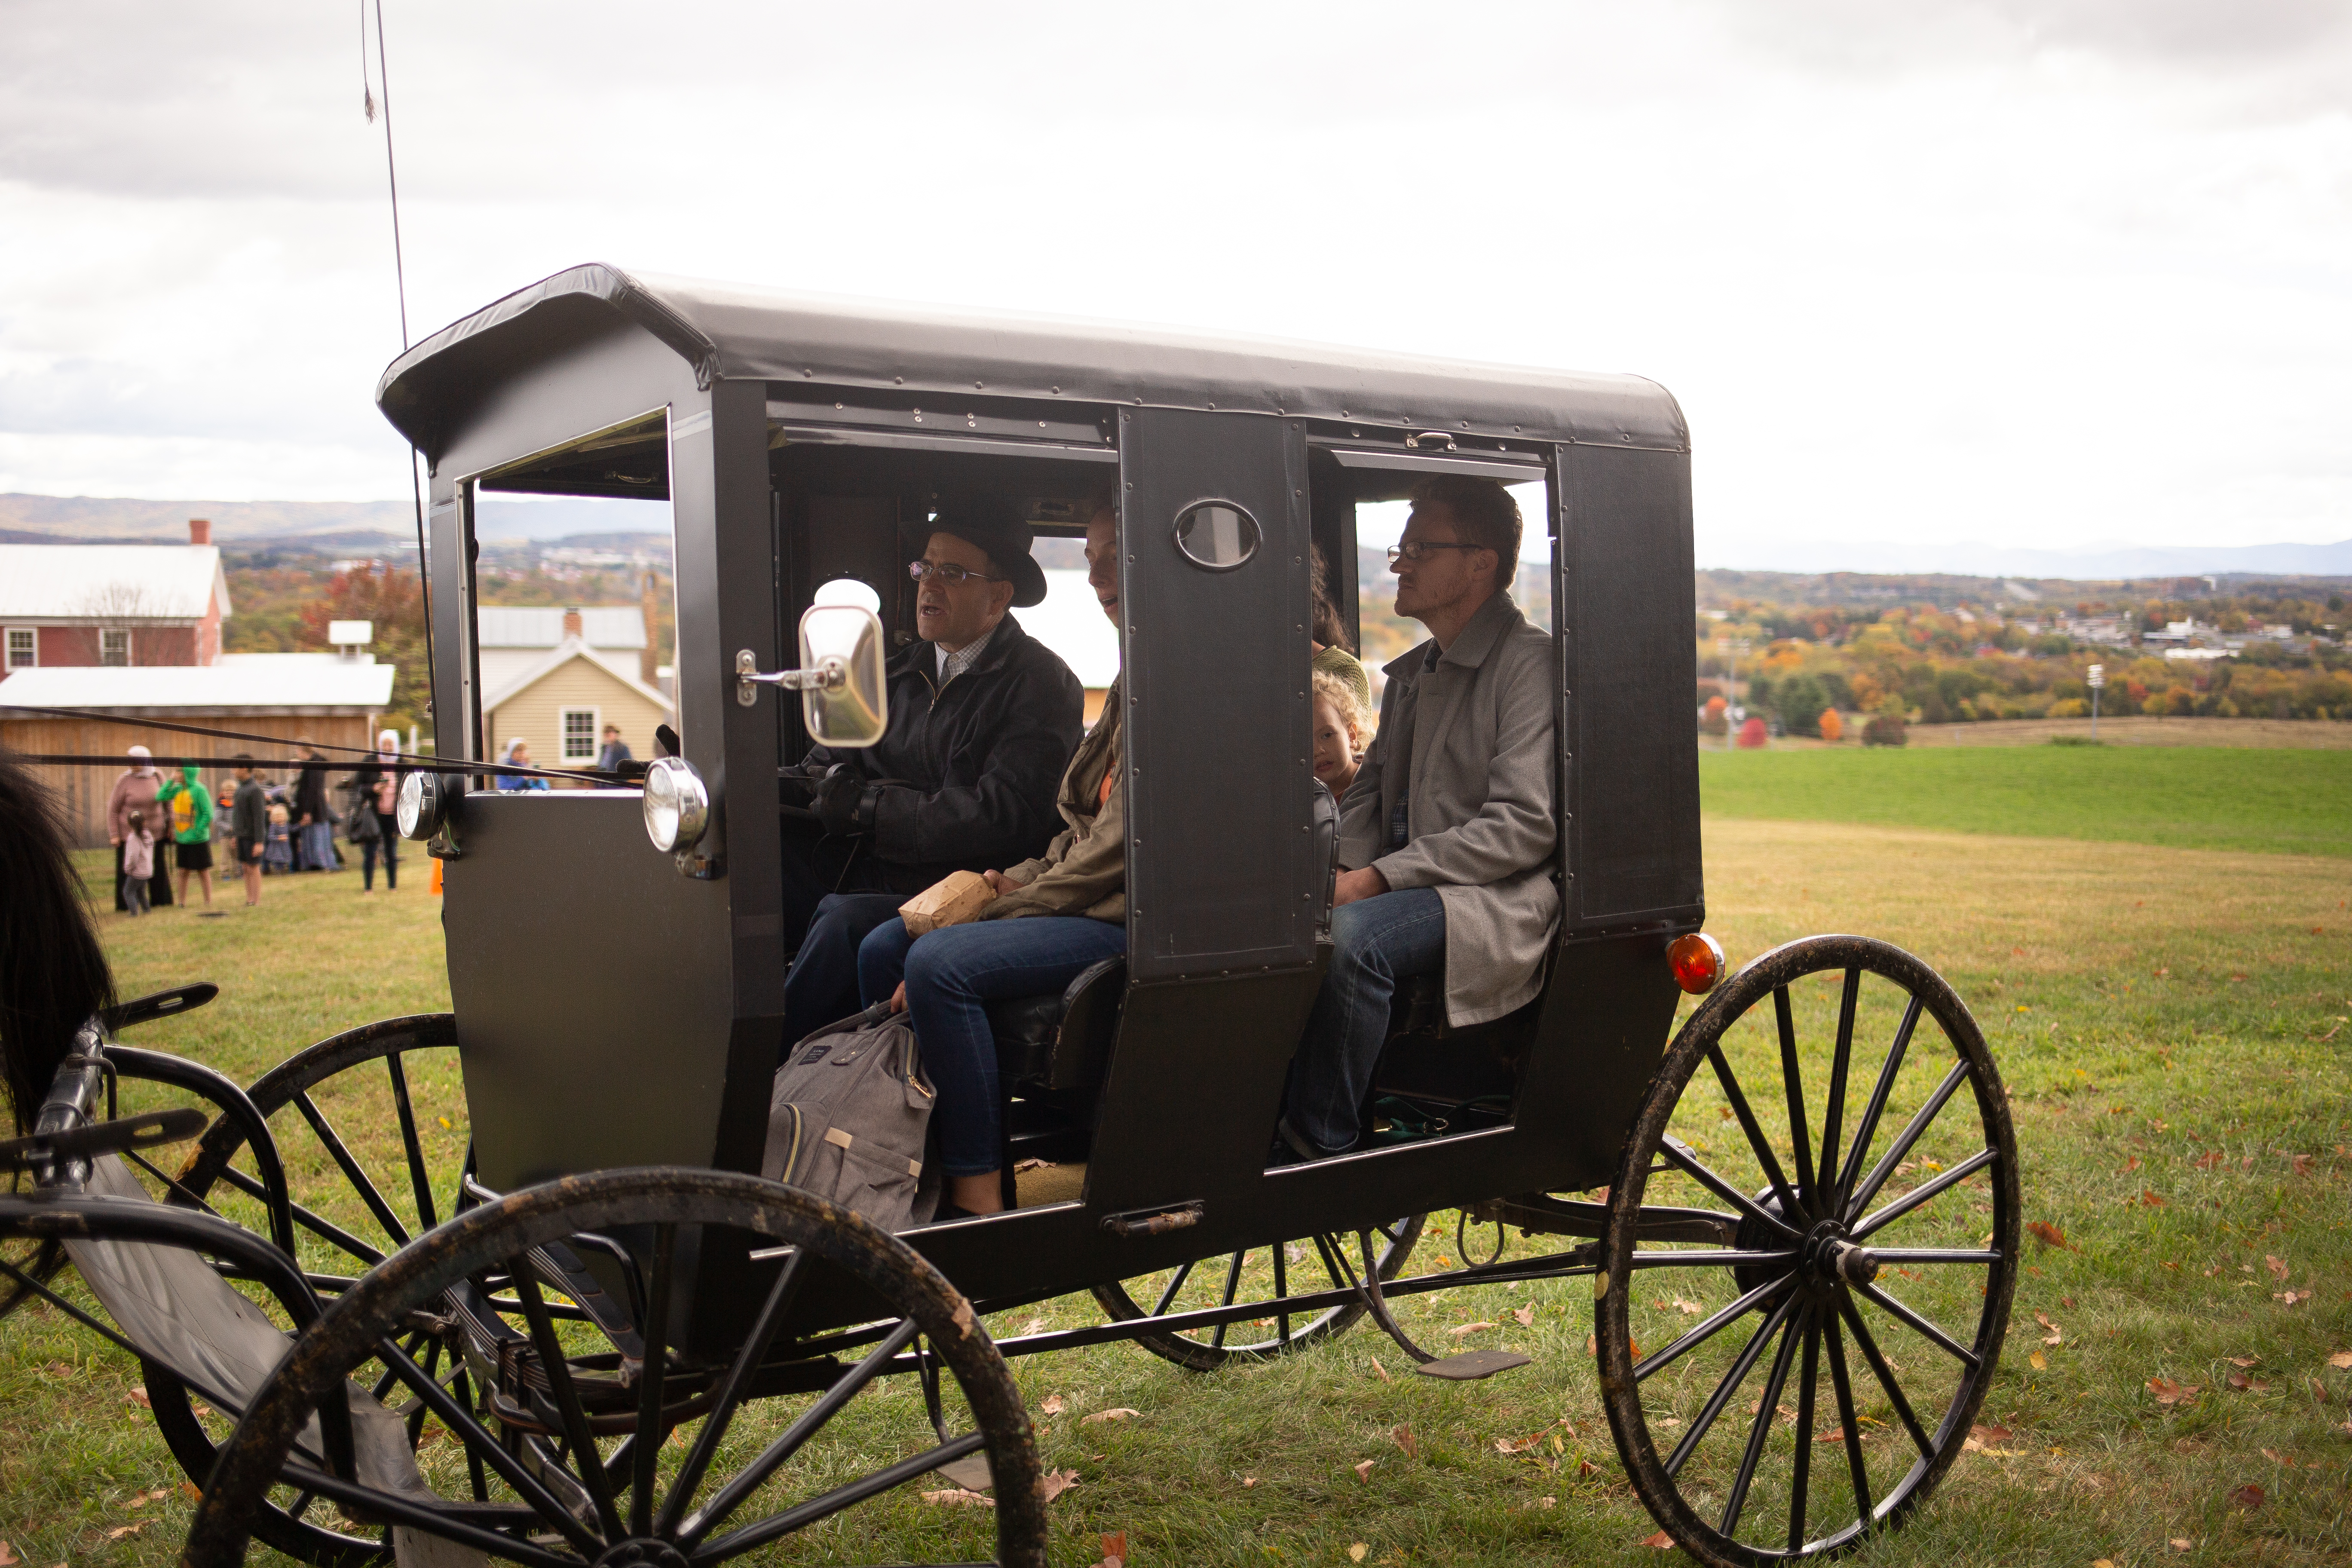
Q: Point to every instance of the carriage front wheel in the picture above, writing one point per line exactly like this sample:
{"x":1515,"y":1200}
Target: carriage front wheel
{"x":595,"y":1441}
{"x":1806,"y":1378}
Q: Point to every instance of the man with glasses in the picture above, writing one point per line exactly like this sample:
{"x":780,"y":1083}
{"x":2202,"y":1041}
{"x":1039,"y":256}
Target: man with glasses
{"x":1446,"y":836}
{"x":984,"y":718}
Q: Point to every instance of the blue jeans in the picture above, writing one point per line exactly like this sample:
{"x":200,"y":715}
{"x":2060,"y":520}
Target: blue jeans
{"x":950,"y":976}
{"x":1375,"y":942}
{"x":822,"y":985}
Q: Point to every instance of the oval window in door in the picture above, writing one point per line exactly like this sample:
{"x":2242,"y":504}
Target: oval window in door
{"x":1216,"y":535}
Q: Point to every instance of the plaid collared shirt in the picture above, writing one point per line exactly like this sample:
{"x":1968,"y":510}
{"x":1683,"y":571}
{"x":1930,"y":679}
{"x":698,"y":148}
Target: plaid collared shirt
{"x":951,"y":665}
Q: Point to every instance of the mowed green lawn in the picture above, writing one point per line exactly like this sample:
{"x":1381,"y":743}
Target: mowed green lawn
{"x":2171,"y":1024}
{"x":2276,"y":801}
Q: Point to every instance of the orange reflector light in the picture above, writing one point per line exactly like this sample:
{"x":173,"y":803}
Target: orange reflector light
{"x":1697,"y":960}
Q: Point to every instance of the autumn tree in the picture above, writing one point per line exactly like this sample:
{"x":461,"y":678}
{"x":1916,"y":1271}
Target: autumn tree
{"x":390,"y":600}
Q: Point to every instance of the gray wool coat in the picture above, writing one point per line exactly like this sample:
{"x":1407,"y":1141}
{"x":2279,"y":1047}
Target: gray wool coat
{"x":1472,"y":734}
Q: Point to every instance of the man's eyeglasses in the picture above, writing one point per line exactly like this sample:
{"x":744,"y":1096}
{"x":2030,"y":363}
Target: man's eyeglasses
{"x":1420,"y":549}
{"x":947,"y":572}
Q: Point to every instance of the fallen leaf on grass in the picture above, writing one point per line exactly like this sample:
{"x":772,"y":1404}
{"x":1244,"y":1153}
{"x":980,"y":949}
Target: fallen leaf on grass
{"x":1055,"y":1404}
{"x":2241,"y":1360}
{"x":1585,"y":1468}
{"x":2049,"y":1235}
{"x":1591,"y":1346}
{"x":1689,"y":1309}
{"x":140,"y":1499}
{"x":2291,"y":1297}
{"x":1056,"y":1482}
{"x":2181,"y":1544}
{"x":2240,"y":1381}
{"x":2340,"y":1359}
{"x":2301,"y":1162}
{"x":2211,"y":1158}
{"x":188,"y":1490}
{"x":1984,"y":1436}
{"x":1248,"y":1481}
{"x":122,"y":1530}
{"x":1364,"y":1470}
{"x":961,"y":1497}
{"x":1114,"y":1551}
{"x":2275,"y":1458}
{"x":1661,"y":1541}
{"x":8,"y":1559}
{"x":138,"y":1396}
{"x":2056,"y":1336}
{"x":1547,"y":1502}
{"x":2148,"y":1196}
{"x":2247,"y":1496}
{"x":1382,"y":1370}
{"x":1459,"y":1329}
{"x":1526,"y":1316}
{"x":2038,"y":1362}
{"x":1021,"y":1166}
{"x":1356,"y":1552}
{"x":2102,"y":1563}
{"x":1517,"y":1445}
{"x":2131,"y":1164}
{"x":2278,"y":1267}
{"x":1403,"y":1436}
{"x":1834,"y":1435}
{"x":1120,"y":1414}
{"x":2170,"y":1393}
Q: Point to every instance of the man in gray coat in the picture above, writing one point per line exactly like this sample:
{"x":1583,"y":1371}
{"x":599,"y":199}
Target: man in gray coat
{"x":1446,"y":837}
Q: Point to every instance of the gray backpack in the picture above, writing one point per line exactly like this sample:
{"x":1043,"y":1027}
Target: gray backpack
{"x":848,"y":1118}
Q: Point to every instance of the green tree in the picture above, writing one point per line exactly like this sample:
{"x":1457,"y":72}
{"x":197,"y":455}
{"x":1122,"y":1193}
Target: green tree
{"x":1799,"y":701}
{"x":390,"y":599}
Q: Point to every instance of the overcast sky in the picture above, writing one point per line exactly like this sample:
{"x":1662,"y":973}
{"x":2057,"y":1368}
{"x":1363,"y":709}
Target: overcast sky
{"x":2047,"y":272}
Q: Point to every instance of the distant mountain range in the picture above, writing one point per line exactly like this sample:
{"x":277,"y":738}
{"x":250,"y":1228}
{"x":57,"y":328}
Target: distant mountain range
{"x":351,"y":525}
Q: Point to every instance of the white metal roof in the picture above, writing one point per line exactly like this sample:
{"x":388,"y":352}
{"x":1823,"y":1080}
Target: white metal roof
{"x":256,"y":681}
{"x":125,"y":583}
{"x":619,"y":626}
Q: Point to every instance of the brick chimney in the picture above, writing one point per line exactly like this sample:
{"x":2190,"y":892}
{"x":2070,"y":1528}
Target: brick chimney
{"x":646,"y":661}
{"x":200,"y":531}
{"x":572,"y":624}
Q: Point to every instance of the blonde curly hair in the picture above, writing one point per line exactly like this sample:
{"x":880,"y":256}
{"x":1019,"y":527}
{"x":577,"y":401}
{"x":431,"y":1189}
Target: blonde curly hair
{"x":1342,"y":697}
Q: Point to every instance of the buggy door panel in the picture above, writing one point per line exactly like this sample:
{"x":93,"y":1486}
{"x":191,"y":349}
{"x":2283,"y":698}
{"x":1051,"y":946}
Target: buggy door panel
{"x":1630,"y":755}
{"x":1218,"y":755}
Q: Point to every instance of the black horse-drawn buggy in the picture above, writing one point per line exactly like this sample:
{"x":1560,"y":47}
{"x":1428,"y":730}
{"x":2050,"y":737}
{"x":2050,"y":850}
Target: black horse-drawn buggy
{"x":553,"y":1317}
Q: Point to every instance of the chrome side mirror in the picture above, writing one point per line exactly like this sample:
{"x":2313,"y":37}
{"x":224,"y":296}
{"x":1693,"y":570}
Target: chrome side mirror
{"x":843,"y":699}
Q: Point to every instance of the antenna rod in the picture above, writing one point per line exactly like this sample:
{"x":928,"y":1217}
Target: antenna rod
{"x":400,"y":279}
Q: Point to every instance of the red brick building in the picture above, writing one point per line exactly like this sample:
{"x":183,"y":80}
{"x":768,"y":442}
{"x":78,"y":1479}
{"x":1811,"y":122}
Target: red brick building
{"x":124,"y":605}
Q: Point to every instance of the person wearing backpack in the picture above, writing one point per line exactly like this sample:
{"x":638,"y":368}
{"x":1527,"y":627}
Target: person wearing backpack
{"x":376,"y":789}
{"x":191,"y":805}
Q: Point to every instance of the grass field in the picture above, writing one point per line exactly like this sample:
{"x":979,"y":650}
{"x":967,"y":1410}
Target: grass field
{"x":2171,"y":1024}
{"x":2273,"y":801}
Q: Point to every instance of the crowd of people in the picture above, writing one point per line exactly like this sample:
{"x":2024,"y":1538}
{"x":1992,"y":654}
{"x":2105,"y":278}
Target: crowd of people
{"x":1446,"y":822}
{"x":163,"y":829}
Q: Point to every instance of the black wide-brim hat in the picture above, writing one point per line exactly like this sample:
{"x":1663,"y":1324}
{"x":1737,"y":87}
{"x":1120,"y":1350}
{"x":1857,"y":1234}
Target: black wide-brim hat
{"x":997,"y":525}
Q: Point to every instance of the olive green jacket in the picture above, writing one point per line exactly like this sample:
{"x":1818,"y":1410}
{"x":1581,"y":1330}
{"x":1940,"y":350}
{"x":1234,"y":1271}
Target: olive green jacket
{"x":1084,"y":869}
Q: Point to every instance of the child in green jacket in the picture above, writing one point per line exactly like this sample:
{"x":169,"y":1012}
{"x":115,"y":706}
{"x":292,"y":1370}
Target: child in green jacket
{"x":191,"y":805}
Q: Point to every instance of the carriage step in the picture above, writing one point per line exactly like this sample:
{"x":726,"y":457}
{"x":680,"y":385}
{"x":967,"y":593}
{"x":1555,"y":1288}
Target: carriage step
{"x":1473,"y":1364}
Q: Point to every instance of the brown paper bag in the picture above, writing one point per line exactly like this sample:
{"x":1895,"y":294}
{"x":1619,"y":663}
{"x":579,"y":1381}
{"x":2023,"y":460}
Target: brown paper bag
{"x":949,"y":901}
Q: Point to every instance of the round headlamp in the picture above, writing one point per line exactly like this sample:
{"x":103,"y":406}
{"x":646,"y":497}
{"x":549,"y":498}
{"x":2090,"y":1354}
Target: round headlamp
{"x":677,"y":807}
{"x":422,"y":803}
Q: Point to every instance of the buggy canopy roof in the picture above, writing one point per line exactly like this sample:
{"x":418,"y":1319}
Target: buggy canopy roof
{"x":759,"y":334}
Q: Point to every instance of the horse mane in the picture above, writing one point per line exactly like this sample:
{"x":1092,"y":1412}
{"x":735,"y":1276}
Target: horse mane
{"x":53,"y":971}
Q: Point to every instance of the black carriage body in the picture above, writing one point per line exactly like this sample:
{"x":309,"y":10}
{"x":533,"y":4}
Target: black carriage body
{"x":613,"y":1010}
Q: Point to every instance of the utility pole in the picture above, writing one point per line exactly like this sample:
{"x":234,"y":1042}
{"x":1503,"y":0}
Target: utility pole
{"x":2098,"y":678}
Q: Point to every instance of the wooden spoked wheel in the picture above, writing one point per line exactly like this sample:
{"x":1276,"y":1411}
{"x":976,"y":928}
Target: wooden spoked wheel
{"x":1808,"y":1384}
{"x":370,"y":1127}
{"x":597,"y":1454}
{"x":1301,"y":1266}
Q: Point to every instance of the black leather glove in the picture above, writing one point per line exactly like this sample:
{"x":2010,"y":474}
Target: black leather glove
{"x":796,"y":786}
{"x":841,"y":801}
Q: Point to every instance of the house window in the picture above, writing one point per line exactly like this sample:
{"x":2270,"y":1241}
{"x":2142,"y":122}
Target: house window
{"x":24,"y":649}
{"x":579,"y":734}
{"x":114,"y":648}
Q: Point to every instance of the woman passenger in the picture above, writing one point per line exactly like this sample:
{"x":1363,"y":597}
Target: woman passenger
{"x":1334,"y":653}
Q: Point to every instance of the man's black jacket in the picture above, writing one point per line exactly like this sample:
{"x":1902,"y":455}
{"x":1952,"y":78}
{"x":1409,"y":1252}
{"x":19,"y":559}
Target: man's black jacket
{"x":976,"y":765}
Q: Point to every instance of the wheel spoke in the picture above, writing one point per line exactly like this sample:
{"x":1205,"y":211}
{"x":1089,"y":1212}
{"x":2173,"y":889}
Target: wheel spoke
{"x":1680,"y":1155}
{"x":1920,"y":1325}
{"x":1924,"y":1191}
{"x":751,"y":1537}
{"x":359,"y":1178}
{"x":416,"y":1417}
{"x":730,"y":1393}
{"x":1808,"y":1375}
{"x":1841,"y":1381}
{"x":1767,"y":1409}
{"x":1917,"y":1124}
{"x":565,"y":1394}
{"x":325,"y":1229}
{"x":727,"y":1499}
{"x":420,"y":1184}
{"x":1168,"y":1297}
{"x":1659,"y":1360}
{"x":407,"y":1511}
{"x":651,"y":1375}
{"x":1833,"y":1110}
{"x":1282,"y":1289}
{"x":1233,"y":1283}
{"x":1867,"y":1128}
{"x":1730,"y":1384}
{"x":1937,"y":1255}
{"x":1792,"y":1084}
{"x":463,"y":1386}
{"x":1885,"y":1375}
{"x":1756,"y":1141}
{"x":1711,"y":1258}
{"x":480,"y":1446}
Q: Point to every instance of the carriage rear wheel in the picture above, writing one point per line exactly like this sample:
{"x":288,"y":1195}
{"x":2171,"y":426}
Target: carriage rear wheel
{"x":619,"y":1449}
{"x":1300,"y":1266}
{"x":1846,"y":1334}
